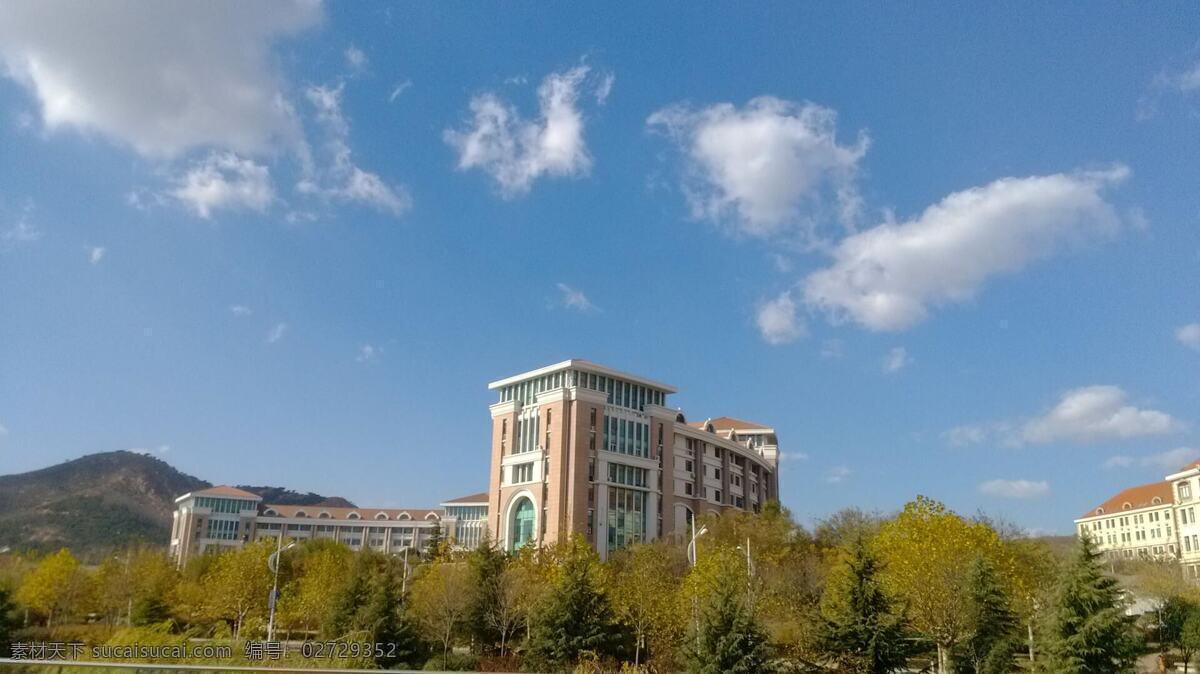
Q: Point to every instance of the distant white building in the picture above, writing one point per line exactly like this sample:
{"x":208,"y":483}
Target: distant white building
{"x":1150,"y":521}
{"x":223,"y":518}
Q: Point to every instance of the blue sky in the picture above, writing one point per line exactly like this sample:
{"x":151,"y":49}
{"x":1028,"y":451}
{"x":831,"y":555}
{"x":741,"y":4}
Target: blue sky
{"x":954,"y":255}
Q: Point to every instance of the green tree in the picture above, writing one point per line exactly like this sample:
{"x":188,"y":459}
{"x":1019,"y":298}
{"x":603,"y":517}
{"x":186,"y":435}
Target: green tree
{"x":370,"y":607}
{"x":7,"y":621}
{"x":489,"y":616}
{"x":1189,"y":637}
{"x":440,"y":598}
{"x":576,"y":617}
{"x":436,"y":544}
{"x":1171,"y":615}
{"x":993,"y":638}
{"x":1089,"y":632}
{"x":728,"y":639}
{"x":860,"y":631}
{"x":58,"y":587}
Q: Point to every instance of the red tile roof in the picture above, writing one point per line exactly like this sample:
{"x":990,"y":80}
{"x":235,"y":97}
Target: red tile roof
{"x":1194,"y":464}
{"x":729,"y":423}
{"x":1141,"y":496}
{"x":225,"y":490}
{"x":481,"y":497}
{"x":366,"y":514}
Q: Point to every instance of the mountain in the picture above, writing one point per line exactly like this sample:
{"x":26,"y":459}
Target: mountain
{"x":104,"y":501}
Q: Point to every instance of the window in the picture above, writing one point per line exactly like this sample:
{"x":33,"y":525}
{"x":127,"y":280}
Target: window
{"x":522,"y":473}
{"x":593,"y":419}
{"x":687,"y":466}
{"x":626,"y":517}
{"x":629,"y":475}
{"x":687,"y":488}
{"x":522,"y":523}
{"x":1185,"y":490}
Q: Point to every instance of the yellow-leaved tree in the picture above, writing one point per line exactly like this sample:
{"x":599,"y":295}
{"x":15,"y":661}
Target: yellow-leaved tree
{"x":58,"y":587}
{"x":927,"y":550}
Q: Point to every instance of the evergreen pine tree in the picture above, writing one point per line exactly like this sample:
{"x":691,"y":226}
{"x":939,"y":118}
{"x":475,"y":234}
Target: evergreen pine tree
{"x":373,"y":609}
{"x":729,"y":639}
{"x":1090,"y":633}
{"x":577,"y":617}
{"x":860,"y":632}
{"x":487,"y":572}
{"x":993,"y":640}
{"x":7,"y":622}
{"x":435,"y":543}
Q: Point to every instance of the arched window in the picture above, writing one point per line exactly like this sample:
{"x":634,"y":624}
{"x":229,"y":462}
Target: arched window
{"x":300,"y":513}
{"x":270,"y":512}
{"x":323,"y":516}
{"x":432,"y":516}
{"x":381,"y":516}
{"x":521,"y":527}
{"x":353,"y":516}
{"x":404,"y":516}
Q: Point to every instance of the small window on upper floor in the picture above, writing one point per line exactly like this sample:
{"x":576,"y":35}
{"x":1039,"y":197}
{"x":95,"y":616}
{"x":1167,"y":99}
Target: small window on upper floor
{"x":381,"y":516}
{"x":353,"y":516}
{"x":300,"y":513}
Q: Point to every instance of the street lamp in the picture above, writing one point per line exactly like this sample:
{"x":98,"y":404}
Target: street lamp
{"x":691,"y":551}
{"x":273,"y":566}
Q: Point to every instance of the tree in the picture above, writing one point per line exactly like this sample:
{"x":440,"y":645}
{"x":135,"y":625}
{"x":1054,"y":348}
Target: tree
{"x":576,"y":616}
{"x":1090,"y":633}
{"x":57,"y":587}
{"x":1189,"y":637}
{"x":489,"y":616}
{"x":435,"y":545}
{"x":860,"y":631}
{"x":440,"y":598}
{"x":927,"y":550}
{"x":644,"y":585}
{"x":7,"y":621}
{"x":369,"y":606}
{"x":319,"y":569}
{"x":238,"y":585}
{"x":728,"y":639}
{"x":993,"y":638}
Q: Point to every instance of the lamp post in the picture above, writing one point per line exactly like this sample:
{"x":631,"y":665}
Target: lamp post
{"x":273,"y":565}
{"x":691,"y":551}
{"x":749,"y":570}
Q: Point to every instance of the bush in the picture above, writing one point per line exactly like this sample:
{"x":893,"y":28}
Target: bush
{"x":454,"y":662}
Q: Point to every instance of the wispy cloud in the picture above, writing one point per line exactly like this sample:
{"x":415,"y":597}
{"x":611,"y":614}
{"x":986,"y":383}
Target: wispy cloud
{"x":367,"y":352}
{"x":277,"y":333}
{"x":224,"y":181}
{"x":398,"y":89}
{"x":1189,"y":335}
{"x":356,"y":59}
{"x":96,"y":253}
{"x":837,"y":474}
{"x":1015,"y":489}
{"x":1168,"y":461}
{"x":21,"y":232}
{"x":895,"y":360}
{"x":240,"y":310}
{"x":573,"y":298}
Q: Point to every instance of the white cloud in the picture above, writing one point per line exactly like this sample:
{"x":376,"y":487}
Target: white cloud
{"x":771,"y":168}
{"x":1094,"y":414}
{"x":343,"y":180}
{"x":240,"y":310}
{"x":837,"y":474}
{"x":895,"y":360}
{"x":890,"y":276}
{"x":224,"y":180}
{"x":151,"y":451}
{"x":832,"y":348}
{"x":777,"y":320}
{"x":1172,"y":459}
{"x":277,"y":332}
{"x":21,"y":232}
{"x":3,"y":430}
{"x":604,"y":88}
{"x":516,"y":151}
{"x":961,"y":436}
{"x":367,"y":352}
{"x":793,"y":456}
{"x":96,"y":253}
{"x":1189,"y":335}
{"x":1118,"y":461}
{"x":162,"y":77}
{"x":356,"y":59}
{"x":400,"y":88}
{"x":1015,"y":489}
{"x":575,"y":299}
